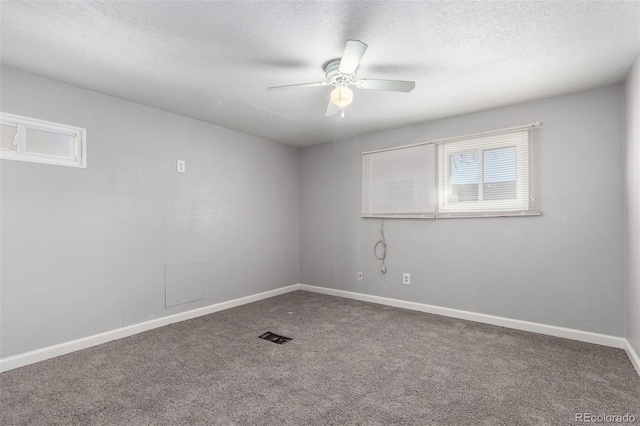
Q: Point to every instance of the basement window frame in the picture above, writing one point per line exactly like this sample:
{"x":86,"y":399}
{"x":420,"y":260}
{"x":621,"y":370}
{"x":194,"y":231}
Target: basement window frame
{"x":78,"y":159}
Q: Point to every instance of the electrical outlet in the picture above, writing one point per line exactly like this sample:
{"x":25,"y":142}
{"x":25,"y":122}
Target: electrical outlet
{"x":406,"y":278}
{"x":182,"y":166}
{"x":359,"y":276}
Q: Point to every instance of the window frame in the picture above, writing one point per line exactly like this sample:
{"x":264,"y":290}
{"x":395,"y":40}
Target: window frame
{"x":521,"y":203}
{"x":23,"y":123}
{"x":523,"y":138}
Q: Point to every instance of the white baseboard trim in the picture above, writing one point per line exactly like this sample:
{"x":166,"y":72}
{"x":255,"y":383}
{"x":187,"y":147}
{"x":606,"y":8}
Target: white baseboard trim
{"x":633,"y":356}
{"x":21,"y":360}
{"x":550,"y":330}
{"x":16,"y":361}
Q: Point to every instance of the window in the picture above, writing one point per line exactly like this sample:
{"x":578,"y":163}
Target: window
{"x":485,"y":175}
{"x":38,"y":141}
{"x":489,"y":174}
{"x":394,"y":183}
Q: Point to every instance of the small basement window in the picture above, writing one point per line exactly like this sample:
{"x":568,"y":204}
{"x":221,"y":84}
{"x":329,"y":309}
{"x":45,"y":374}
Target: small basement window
{"x":39,"y":141}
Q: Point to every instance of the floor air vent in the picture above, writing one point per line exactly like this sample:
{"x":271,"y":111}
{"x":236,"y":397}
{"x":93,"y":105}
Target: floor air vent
{"x":275,"y":338}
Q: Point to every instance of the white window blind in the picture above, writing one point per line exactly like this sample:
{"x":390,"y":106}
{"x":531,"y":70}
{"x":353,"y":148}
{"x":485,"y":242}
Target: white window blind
{"x":394,"y":183}
{"x":489,"y":174}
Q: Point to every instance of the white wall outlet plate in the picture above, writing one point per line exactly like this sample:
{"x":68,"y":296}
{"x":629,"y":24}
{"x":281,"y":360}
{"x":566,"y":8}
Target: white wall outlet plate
{"x":359,"y":276}
{"x":406,"y":278}
{"x":182,"y":166}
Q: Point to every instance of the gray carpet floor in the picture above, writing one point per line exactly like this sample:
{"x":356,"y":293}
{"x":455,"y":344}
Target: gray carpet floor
{"x":349,"y":363}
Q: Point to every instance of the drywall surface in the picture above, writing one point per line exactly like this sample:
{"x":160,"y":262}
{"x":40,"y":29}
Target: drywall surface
{"x":84,"y":250}
{"x":564,"y":268}
{"x":632,"y":156}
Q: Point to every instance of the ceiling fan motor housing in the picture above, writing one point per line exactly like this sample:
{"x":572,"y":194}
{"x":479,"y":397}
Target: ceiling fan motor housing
{"x":335,"y":77}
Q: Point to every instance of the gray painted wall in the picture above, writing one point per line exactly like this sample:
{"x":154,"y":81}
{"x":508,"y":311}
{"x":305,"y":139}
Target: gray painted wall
{"x":564,"y":268}
{"x":83,"y":250}
{"x":77,"y":260}
{"x":632,"y":156}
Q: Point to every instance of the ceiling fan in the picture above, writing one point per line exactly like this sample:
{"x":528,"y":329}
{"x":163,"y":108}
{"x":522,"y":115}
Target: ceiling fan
{"x":341,"y":73}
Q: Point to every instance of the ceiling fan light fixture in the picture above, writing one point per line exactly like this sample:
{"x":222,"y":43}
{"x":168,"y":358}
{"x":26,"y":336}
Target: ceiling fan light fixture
{"x":341,"y":96}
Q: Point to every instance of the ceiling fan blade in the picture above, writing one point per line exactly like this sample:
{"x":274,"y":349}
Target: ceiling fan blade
{"x":295,"y":86}
{"x":332,"y":109}
{"x":353,"y":52}
{"x":392,"y":85}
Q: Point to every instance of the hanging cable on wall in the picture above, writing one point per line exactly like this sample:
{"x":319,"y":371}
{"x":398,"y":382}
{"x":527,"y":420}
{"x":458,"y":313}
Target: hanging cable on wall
{"x":382,"y":243}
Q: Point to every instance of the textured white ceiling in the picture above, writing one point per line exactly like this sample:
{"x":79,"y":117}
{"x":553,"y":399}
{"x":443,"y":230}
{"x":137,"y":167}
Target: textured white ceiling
{"x":213,"y":60}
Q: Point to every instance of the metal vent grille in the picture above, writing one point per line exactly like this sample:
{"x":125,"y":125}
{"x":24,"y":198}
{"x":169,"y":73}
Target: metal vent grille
{"x":272,"y":337}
